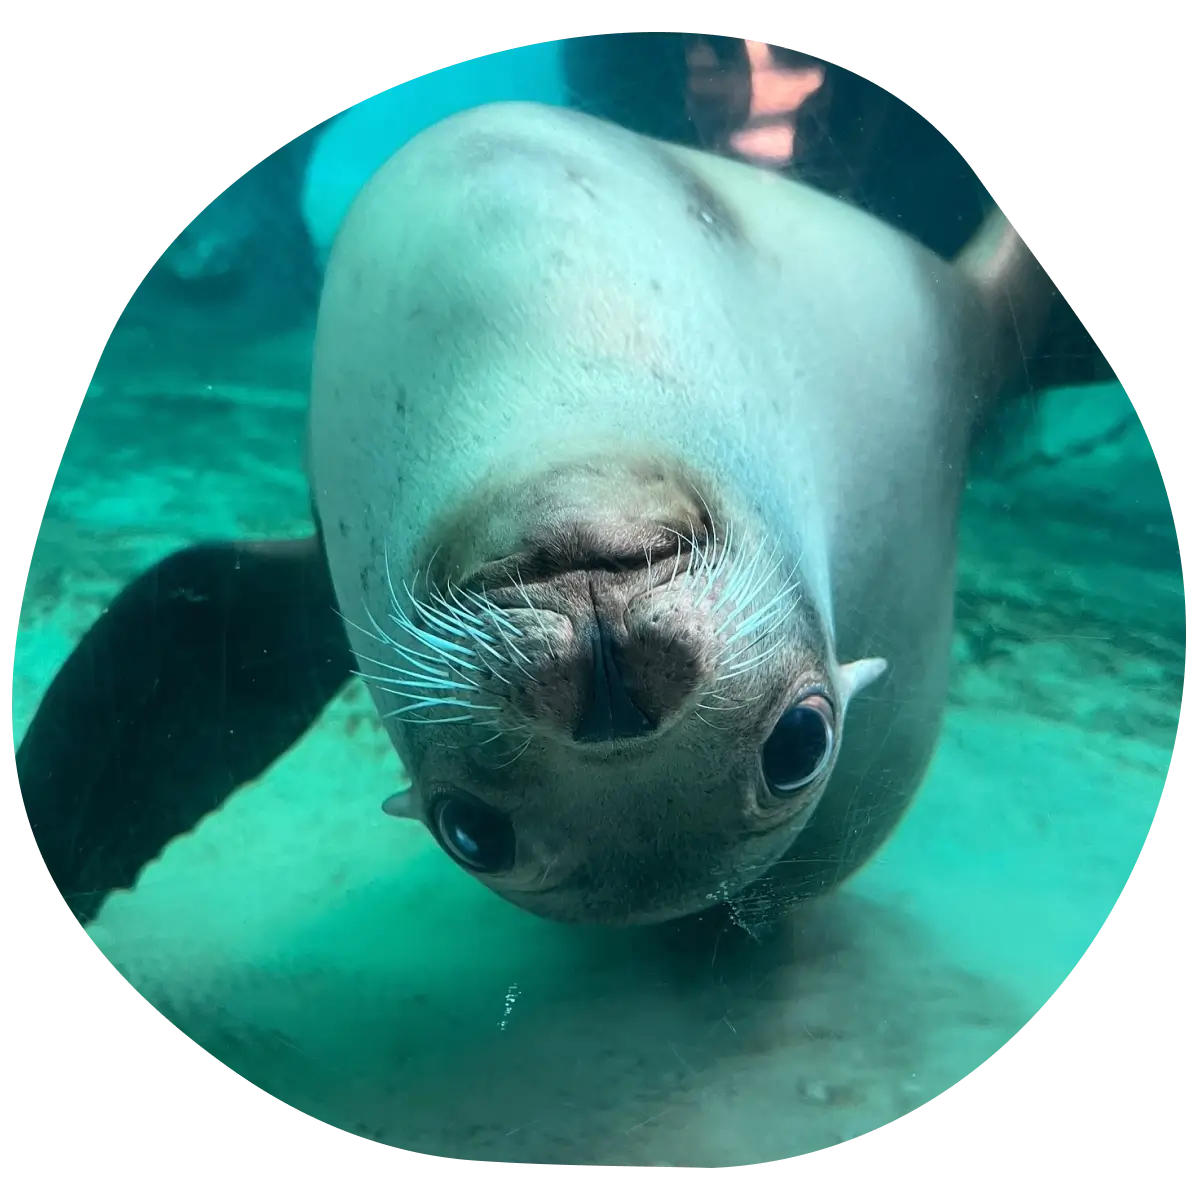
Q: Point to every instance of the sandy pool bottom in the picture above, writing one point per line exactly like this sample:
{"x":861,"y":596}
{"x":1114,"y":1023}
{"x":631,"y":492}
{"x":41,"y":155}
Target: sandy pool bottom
{"x":334,"y":957}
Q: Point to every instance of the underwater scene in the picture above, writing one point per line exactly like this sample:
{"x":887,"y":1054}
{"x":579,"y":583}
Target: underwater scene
{"x":470,"y":695}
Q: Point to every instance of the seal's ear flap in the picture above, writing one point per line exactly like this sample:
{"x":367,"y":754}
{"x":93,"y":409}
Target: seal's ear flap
{"x":853,"y":677}
{"x":402,"y":804}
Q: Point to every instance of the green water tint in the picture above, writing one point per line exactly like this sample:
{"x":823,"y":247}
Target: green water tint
{"x":336,"y":958}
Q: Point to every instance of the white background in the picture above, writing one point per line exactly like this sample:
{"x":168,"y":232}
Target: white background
{"x":123,"y":120}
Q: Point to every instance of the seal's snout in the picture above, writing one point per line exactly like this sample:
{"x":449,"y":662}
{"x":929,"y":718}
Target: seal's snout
{"x":610,"y":713}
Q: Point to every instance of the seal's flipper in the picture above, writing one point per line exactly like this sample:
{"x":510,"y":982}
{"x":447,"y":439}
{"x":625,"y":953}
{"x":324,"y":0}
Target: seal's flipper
{"x":1066,"y":355}
{"x":1039,"y":341}
{"x":200,"y":674}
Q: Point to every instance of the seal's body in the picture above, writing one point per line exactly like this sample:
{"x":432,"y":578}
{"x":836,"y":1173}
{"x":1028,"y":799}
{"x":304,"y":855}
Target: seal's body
{"x":633,"y":467}
{"x":562,"y":369}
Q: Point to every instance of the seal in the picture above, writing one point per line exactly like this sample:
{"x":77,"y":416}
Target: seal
{"x":636,"y":475}
{"x":637,"y":466}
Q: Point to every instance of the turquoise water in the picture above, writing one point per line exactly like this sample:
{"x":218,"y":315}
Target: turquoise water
{"x":339,"y":960}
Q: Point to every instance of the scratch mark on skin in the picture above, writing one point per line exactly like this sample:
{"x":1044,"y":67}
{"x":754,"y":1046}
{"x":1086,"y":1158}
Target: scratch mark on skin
{"x":712,"y":966}
{"x":527,"y":1125}
{"x":687,"y":1065}
{"x":642,"y":1124}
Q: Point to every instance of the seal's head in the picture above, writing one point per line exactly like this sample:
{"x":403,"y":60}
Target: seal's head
{"x":616,"y":698}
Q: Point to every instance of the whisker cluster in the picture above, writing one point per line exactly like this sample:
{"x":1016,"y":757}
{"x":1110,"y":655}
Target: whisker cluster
{"x":748,"y":614}
{"x":443,"y":653}
{"x":446,"y":653}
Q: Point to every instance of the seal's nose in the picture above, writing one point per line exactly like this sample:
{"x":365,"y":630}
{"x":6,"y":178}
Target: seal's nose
{"x":610,"y":713}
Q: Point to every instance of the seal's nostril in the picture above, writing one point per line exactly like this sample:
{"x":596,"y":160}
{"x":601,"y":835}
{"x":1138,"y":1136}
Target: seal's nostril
{"x":610,"y":713}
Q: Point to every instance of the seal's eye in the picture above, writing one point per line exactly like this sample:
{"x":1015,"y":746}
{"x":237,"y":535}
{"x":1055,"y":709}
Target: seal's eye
{"x":799,"y":746}
{"x":478,"y":837}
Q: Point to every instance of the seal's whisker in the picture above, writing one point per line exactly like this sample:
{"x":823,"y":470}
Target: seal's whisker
{"x":777,"y":621}
{"x":436,"y":652}
{"x":512,"y":659}
{"x":746,"y":658}
{"x":702,"y":559}
{"x":709,"y":522}
{"x":718,"y":559}
{"x":438,"y":659}
{"x":730,"y":707}
{"x":480,"y":639}
{"x":712,"y":571}
{"x":472,"y":606}
{"x":519,"y":584}
{"x":700,"y":562}
{"x":423,"y":665}
{"x":745,"y":599}
{"x":429,"y":566}
{"x":458,"y":600}
{"x":678,"y":557}
{"x":387,"y":636}
{"x":717,"y":694}
{"x":774,"y":616}
{"x":453,"y":624}
{"x":472,"y":626}
{"x":776,"y":612}
{"x":430,"y":720}
{"x":732,"y":539}
{"x":495,"y":614}
{"x":403,"y":714}
{"x":726,"y":568}
{"x":384,"y":636}
{"x":424,"y":669}
{"x":473,"y":633}
{"x":512,"y":761}
{"x":502,"y":730}
{"x":445,"y":652}
{"x":746,"y":666}
{"x":387,"y":574}
{"x":697,"y":559}
{"x":742,"y":666}
{"x":490,"y":672}
{"x":381,"y":637}
{"x":447,"y":623}
{"x":425,"y":702}
{"x":400,"y":617}
{"x":703,"y":586}
{"x":489,"y":648}
{"x":447,"y":649}
{"x":419,"y":661}
{"x":415,"y":681}
{"x":746,"y":578}
{"x":517,"y":653}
